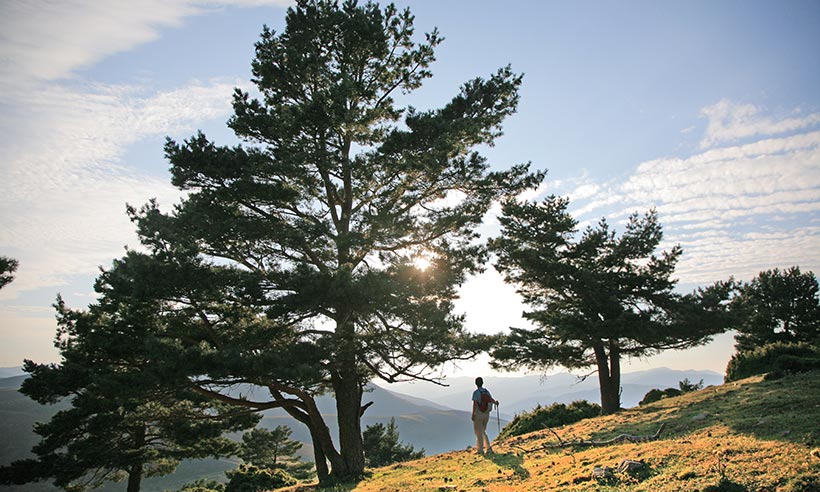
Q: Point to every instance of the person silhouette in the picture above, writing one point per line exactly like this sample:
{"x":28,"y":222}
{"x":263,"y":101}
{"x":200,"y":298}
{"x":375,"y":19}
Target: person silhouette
{"x":483,"y":403}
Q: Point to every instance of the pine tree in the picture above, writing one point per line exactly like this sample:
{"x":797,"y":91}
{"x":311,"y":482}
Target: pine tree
{"x":308,"y":231}
{"x":777,"y":306}
{"x":124,"y":422}
{"x":382,"y":446}
{"x":596,"y":297}
{"x":275,"y":450}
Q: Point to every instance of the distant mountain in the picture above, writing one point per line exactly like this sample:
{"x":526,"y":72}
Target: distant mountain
{"x":13,"y":382}
{"x":422,"y":423}
{"x":7,"y":372}
{"x":523,"y":393}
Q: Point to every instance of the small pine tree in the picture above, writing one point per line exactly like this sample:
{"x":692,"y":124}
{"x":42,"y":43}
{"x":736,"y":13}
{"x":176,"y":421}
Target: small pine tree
{"x":275,"y":450}
{"x":382,"y":446}
{"x":687,"y":386}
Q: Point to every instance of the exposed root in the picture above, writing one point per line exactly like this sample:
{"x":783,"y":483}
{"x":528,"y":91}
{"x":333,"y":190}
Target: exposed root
{"x":589,"y":443}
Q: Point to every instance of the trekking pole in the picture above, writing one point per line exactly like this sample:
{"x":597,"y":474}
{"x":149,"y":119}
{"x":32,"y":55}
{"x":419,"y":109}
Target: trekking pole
{"x":498,"y":417}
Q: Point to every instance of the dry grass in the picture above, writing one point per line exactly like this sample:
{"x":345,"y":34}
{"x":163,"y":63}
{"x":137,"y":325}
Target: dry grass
{"x":750,"y":435}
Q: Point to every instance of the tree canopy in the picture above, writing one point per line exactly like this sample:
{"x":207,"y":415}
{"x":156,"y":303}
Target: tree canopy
{"x":290,"y":263}
{"x":596,"y":297}
{"x":777,"y":306}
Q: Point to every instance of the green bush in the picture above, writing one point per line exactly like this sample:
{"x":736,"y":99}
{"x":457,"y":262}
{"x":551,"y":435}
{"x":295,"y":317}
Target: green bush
{"x":654,"y":395}
{"x":774,"y":357}
{"x":203,"y":485}
{"x":684,"y":386}
{"x":249,"y":478}
{"x":555,"y":415}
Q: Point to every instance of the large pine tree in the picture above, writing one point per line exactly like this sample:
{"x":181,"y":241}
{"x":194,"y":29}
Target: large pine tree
{"x":309,"y":230}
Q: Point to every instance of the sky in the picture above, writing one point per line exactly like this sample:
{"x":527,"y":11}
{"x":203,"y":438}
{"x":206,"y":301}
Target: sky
{"x":708,"y":111}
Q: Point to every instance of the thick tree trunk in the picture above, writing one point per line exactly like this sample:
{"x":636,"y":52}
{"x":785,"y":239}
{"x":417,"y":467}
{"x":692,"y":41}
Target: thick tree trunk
{"x":348,"y":392}
{"x":348,"y":405}
{"x":609,"y":376}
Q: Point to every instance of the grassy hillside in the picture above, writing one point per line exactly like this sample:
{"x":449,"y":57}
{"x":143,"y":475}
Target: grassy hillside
{"x":751,"y":435}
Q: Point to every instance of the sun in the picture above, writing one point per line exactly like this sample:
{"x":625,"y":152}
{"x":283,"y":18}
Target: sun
{"x":422,"y":262}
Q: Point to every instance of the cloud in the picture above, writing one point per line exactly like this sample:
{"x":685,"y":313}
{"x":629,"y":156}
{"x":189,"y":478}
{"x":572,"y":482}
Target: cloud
{"x":728,"y":122}
{"x":735,"y":209}
{"x":65,"y":182}
{"x":42,"y":41}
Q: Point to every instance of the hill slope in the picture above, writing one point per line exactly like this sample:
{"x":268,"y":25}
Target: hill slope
{"x":750,"y":435}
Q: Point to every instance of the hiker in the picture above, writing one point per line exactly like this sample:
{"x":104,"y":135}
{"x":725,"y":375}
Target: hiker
{"x":483,"y":403}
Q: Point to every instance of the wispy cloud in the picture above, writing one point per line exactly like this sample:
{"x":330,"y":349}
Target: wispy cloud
{"x":65,"y":183}
{"x":736,"y":209}
{"x":50,"y":40}
{"x":65,"y":186}
{"x":63,"y":142}
{"x":729,"y":122}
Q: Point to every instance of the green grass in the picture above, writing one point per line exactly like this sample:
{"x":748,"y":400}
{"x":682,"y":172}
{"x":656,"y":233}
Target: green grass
{"x":749,"y":435}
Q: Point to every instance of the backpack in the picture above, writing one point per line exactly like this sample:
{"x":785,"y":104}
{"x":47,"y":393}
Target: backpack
{"x":486,"y":400}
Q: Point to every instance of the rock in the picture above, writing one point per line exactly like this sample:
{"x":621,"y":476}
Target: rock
{"x":602,"y":472}
{"x":700,"y":417}
{"x":629,"y":466}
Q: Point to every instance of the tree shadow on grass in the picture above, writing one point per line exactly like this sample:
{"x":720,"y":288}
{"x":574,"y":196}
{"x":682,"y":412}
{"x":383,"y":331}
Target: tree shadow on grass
{"x":509,"y":461}
{"x":315,"y":487}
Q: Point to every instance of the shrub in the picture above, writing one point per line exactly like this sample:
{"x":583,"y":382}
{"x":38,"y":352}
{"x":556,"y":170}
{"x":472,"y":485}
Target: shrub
{"x":654,"y":395}
{"x":684,"y":386}
{"x":203,"y":485}
{"x":249,"y":478}
{"x":555,"y":415}
{"x":778,"y":356}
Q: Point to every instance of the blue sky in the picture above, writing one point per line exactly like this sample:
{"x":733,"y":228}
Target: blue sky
{"x":707,"y":110}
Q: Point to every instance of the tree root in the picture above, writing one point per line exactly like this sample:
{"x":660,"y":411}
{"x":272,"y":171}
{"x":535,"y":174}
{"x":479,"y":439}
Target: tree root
{"x":589,"y":443}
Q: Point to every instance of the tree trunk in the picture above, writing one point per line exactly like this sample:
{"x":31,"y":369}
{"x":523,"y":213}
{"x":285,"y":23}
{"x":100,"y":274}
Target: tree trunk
{"x":348,"y":392}
{"x":323,"y":448}
{"x":609,"y":376}
{"x":319,"y":458}
{"x":136,"y":470}
{"x":348,"y":405}
{"x":134,"y":478}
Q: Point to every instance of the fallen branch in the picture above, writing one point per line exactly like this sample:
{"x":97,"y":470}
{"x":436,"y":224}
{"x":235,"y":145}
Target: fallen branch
{"x":589,"y":443}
